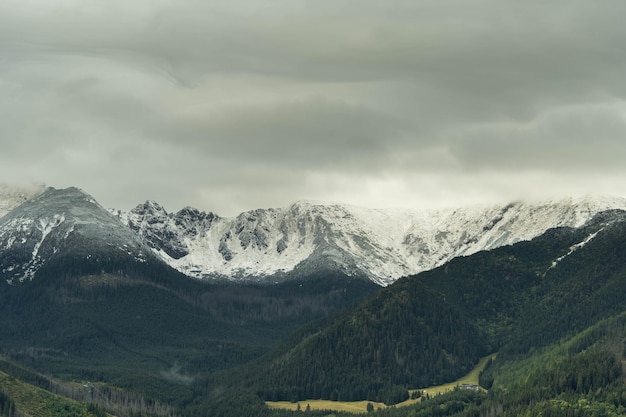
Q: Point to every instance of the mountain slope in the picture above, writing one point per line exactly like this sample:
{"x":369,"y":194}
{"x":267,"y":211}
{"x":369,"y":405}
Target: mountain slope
{"x":405,"y":336}
{"x":59,"y":224}
{"x":383,"y":245}
{"x":429,"y":328}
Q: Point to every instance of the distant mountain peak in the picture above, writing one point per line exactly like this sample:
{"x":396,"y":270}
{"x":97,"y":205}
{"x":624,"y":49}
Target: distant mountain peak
{"x":67,"y":193}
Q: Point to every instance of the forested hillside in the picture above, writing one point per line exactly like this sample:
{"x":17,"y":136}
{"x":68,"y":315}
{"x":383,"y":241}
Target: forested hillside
{"x":405,"y":337}
{"x":150,"y":330}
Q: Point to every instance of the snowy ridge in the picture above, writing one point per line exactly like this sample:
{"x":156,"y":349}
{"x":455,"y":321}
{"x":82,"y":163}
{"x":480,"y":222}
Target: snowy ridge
{"x":268,"y":245}
{"x":382,"y":245}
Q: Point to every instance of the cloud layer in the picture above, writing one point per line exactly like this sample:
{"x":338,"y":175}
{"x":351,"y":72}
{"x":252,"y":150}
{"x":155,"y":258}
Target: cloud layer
{"x":229,"y":106}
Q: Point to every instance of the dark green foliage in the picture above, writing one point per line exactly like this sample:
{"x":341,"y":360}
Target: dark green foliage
{"x":454,"y":403}
{"x":7,"y":406}
{"x":485,"y":378}
{"x":403,"y":337}
{"x":586,"y":384}
{"x":24,"y":374}
{"x":581,"y":374}
{"x":150,"y":330}
{"x":230,"y":404}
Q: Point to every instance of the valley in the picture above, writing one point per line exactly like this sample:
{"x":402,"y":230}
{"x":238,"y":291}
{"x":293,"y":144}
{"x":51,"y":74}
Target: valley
{"x":87,"y":300}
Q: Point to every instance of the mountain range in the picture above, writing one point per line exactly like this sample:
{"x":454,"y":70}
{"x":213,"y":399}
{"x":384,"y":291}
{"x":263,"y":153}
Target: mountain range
{"x":90,"y":294}
{"x":269,"y":245}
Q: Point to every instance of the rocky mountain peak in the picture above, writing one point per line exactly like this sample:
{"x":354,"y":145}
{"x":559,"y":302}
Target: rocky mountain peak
{"x":189,"y":217}
{"x":150,"y":209}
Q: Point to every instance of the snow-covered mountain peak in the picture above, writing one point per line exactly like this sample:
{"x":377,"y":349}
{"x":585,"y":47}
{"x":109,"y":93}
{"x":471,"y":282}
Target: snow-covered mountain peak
{"x":309,"y":204}
{"x":151,"y":208}
{"x":66,"y":222}
{"x":69,"y":198}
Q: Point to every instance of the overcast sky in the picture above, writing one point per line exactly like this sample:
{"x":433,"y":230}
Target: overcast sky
{"x":233,"y":105}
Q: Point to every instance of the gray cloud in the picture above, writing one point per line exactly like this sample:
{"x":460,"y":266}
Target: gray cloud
{"x":307,"y":134}
{"x":579,"y":138}
{"x":235,"y":105}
